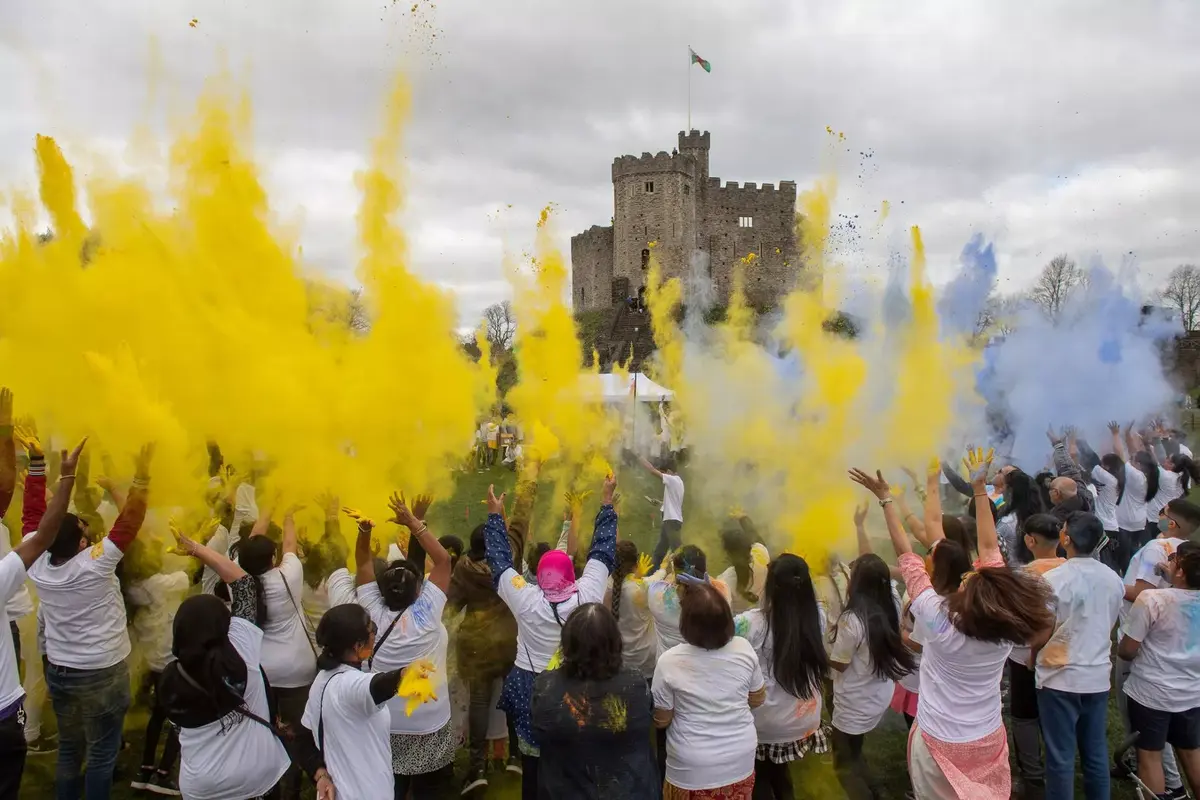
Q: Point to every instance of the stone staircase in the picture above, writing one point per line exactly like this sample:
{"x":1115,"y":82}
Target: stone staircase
{"x":630,"y":331}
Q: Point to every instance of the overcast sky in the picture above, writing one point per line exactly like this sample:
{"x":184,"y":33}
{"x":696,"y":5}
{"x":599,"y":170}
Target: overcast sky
{"x":1051,"y":125}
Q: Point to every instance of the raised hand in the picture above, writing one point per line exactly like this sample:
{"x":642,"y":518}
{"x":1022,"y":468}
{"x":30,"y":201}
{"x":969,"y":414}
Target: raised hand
{"x":875,"y":485}
{"x":1054,"y":439}
{"x":495,"y":505}
{"x":421,"y":504}
{"x":643,"y":565}
{"x":365,"y":523}
{"x":610,"y":489}
{"x":978,"y":462}
{"x":6,"y":407}
{"x":1114,"y":427}
{"x":184,"y":544}
{"x":860,"y":514}
{"x":70,"y":461}
{"x":27,"y":437}
{"x":401,"y":515}
{"x":141,"y":464}
{"x":328,"y":503}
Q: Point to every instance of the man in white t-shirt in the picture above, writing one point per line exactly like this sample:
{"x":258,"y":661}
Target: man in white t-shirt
{"x":1073,"y":667}
{"x":670,"y":537}
{"x":86,"y":636}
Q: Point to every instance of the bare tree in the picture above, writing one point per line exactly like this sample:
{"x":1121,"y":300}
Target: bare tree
{"x":1182,"y":293}
{"x":996,"y":318}
{"x":356,"y":313}
{"x":1058,"y":279}
{"x":501,"y":325}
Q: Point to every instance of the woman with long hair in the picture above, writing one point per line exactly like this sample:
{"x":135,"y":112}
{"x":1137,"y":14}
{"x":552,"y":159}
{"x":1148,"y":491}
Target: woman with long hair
{"x":1132,"y":498}
{"x":346,"y":714}
{"x":868,"y":656}
{"x":747,"y":571}
{"x":592,"y":717}
{"x":215,"y":692}
{"x":663,"y":596}
{"x":958,"y":747}
{"x":632,"y":612}
{"x":406,"y":609}
{"x":704,"y":692}
{"x":289,"y":656}
{"x":787,"y":632}
{"x":1023,"y":497}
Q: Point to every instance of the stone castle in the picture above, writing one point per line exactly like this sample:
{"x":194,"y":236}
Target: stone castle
{"x":669,"y":199}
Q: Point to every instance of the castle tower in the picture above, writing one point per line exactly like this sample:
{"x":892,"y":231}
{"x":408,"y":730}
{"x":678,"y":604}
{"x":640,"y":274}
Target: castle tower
{"x":696,"y":144}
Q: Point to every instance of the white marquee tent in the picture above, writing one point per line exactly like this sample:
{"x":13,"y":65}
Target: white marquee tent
{"x":611,"y":388}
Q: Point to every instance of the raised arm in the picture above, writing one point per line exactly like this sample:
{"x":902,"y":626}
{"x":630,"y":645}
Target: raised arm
{"x":860,"y":529}
{"x":364,"y":562}
{"x":32,"y":547}
{"x":916,"y":525}
{"x":8,"y":452}
{"x":226,"y":568}
{"x":497,"y":541}
{"x":604,"y":538}
{"x":518,"y":525}
{"x":133,"y":514}
{"x":33,"y":501}
{"x":956,"y":480}
{"x":933,"y":505}
{"x":421,"y":540}
{"x":288,"y":543}
{"x":1133,"y":441}
{"x":978,"y":463}
{"x":1117,"y":445}
{"x":1064,"y":463}
{"x":877,"y":486}
{"x":646,"y":465}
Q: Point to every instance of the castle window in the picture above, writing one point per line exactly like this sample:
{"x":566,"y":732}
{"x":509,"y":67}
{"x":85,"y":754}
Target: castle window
{"x":650,"y":187}
{"x":645,"y":258}
{"x":687,"y":189}
{"x":582,"y":296}
{"x":745,"y":222}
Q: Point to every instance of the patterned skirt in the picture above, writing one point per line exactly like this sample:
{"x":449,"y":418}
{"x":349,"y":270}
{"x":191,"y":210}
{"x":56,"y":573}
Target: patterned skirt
{"x":742,"y":790}
{"x":816,"y":742}
{"x":419,"y":753}
{"x":516,"y":698}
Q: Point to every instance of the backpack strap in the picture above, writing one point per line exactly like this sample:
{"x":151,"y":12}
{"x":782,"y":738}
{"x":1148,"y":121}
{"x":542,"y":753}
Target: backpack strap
{"x":383,"y":638}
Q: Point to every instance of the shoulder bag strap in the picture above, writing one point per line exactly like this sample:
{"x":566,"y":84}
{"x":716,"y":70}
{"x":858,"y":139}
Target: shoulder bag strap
{"x":300,"y":613}
{"x":321,"y":714}
{"x":241,"y":708}
{"x":383,"y":638}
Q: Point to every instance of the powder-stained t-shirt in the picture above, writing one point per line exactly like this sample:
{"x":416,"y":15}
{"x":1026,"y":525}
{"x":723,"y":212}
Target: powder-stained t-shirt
{"x":1166,"y":673}
{"x":1088,"y":598}
{"x":595,"y":737}
{"x":782,"y":717}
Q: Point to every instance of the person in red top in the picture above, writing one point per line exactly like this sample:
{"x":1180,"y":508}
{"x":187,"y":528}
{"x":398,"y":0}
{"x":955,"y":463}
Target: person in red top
{"x":86,"y":630}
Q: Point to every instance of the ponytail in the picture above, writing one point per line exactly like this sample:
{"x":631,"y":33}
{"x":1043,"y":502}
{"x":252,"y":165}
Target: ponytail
{"x":627,"y":556}
{"x":256,"y":556}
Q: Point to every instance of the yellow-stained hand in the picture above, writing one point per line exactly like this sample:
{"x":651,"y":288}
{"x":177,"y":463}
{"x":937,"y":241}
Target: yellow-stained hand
{"x":141,"y":464}
{"x":365,"y":523}
{"x":495,"y":505}
{"x":25,"y":434}
{"x":416,"y":685}
{"x":643,"y":565}
{"x":184,"y":545}
{"x":401,"y":515}
{"x":6,"y":407}
{"x":420,"y":505}
{"x":978,"y":462}
{"x":934,"y":467}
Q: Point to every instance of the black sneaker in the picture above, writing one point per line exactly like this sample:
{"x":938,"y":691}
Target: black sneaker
{"x":475,"y":780}
{"x":514,"y":766}
{"x":1178,"y":793}
{"x":43,"y":746}
{"x":143,"y":778}
{"x":163,"y":784}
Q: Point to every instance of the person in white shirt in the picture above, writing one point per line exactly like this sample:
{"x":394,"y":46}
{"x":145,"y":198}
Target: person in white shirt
{"x":542,"y":609}
{"x":347,"y":712}
{"x":13,"y":569}
{"x":959,"y":747}
{"x":704,"y":693}
{"x":788,"y":634}
{"x":1161,"y":638}
{"x":1073,"y":667}
{"x":664,"y":590}
{"x":670,"y":537}
{"x":407,"y":608}
{"x":1148,"y":569}
{"x":748,"y":559}
{"x":215,"y":692}
{"x":1131,"y":501}
{"x":87,"y":641}
{"x":632,"y":611}
{"x":868,"y":656}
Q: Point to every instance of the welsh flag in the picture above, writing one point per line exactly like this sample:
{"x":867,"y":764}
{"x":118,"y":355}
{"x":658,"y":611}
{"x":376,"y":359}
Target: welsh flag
{"x":707,"y":67}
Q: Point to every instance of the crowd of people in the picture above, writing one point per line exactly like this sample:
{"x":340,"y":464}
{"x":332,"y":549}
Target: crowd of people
{"x":270,"y":662}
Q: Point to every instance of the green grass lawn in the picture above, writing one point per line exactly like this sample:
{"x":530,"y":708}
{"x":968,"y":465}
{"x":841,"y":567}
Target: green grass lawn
{"x":462,"y":511}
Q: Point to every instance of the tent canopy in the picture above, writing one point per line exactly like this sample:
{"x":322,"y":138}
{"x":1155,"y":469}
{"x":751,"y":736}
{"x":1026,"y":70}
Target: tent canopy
{"x":610,"y":388}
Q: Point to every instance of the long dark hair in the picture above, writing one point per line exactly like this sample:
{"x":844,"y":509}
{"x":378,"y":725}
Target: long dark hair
{"x":478,"y":549}
{"x":216,"y":674}
{"x":341,"y":628}
{"x":999,"y":604}
{"x":798,"y":658}
{"x":1149,"y":467}
{"x":1188,"y":472}
{"x":1024,"y":496}
{"x":950,"y":563}
{"x":1112,"y":463}
{"x":737,"y":543}
{"x":400,"y":584}
{"x":256,"y":555}
{"x":869,"y":597}
{"x":591,"y":644}
{"x":627,"y":556}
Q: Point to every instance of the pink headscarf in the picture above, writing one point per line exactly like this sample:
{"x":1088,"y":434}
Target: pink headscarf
{"x":556,"y":576}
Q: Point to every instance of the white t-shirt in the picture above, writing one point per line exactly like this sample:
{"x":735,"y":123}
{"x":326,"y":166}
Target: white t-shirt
{"x":538,"y":632}
{"x":12,"y":580}
{"x":759,"y":559}
{"x":672,"y":506}
{"x":1170,"y":487}
{"x":1166,"y":673}
{"x":82,"y":607}
{"x":418,"y":634}
{"x":336,"y":590}
{"x":639,"y":645}
{"x":711,"y":741}
{"x":157,"y":598}
{"x":783,"y":717}
{"x":20,"y":604}
{"x":1183,"y":449}
{"x":288,"y":655}
{"x":245,"y":759}
{"x":1131,"y":511}
{"x":912,"y":681}
{"x":859,"y":696}
{"x":1148,"y":564}
{"x":960,"y":676}
{"x":358,"y":748}
{"x":1088,"y":597}
{"x":662,"y":598}
{"x":1106,"y":497}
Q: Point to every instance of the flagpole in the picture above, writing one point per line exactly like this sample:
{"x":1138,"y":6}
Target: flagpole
{"x":689,"y":69}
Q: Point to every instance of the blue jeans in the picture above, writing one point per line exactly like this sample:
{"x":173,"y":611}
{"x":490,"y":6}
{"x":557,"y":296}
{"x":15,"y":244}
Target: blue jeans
{"x":1071,"y":721}
{"x":90,"y":705}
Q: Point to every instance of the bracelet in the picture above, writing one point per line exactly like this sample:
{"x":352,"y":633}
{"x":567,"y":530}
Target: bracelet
{"x":887,"y":501}
{"x":424,"y":529}
{"x":981,"y":494}
{"x":66,"y":477}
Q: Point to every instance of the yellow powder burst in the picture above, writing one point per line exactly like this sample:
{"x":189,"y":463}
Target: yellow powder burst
{"x":196,"y":319}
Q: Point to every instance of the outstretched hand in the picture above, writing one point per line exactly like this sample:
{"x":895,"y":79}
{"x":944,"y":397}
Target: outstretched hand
{"x":70,"y":461}
{"x":495,"y":505}
{"x":365,"y":523}
{"x":401,"y":514}
{"x":644,"y":564}
{"x":1114,"y":427}
{"x":610,"y":489}
{"x":860,"y":514}
{"x":978,"y":462}
{"x":27,"y":437}
{"x":6,"y":407}
{"x":141,"y":464}
{"x":421,"y":504}
{"x":876,"y":484}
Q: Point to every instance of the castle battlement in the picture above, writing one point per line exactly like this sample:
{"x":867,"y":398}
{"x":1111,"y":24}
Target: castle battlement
{"x":693,"y":139}
{"x":596,"y":231}
{"x":715,"y":185}
{"x":647,"y":164}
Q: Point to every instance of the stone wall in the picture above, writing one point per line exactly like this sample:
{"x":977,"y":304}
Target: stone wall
{"x":770,"y":235}
{"x":591,"y":268}
{"x":654,"y":198}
